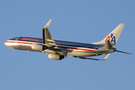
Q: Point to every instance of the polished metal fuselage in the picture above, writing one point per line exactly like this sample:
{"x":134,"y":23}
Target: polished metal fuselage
{"x":66,"y":48}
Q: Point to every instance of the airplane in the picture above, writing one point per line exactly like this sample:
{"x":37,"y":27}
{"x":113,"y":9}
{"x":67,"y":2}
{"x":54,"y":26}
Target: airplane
{"x":58,"y":49}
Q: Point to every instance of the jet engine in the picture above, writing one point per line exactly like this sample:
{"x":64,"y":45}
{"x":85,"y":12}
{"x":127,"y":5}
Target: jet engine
{"x":55,"y":56}
{"x":39,"y":47}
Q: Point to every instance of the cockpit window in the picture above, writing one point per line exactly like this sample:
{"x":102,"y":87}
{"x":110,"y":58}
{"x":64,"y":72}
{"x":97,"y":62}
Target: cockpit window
{"x":12,"y":39}
{"x":27,"y":39}
{"x":16,"y":38}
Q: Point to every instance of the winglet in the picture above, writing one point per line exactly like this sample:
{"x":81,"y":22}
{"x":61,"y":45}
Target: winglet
{"x":47,"y":25}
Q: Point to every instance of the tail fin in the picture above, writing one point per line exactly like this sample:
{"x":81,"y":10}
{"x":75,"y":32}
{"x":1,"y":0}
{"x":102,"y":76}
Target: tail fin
{"x":113,"y":36}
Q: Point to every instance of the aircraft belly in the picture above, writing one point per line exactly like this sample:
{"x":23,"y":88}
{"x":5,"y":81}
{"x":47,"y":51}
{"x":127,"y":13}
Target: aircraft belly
{"x":86,"y":53}
{"x":78,"y":53}
{"x":22,"y":47}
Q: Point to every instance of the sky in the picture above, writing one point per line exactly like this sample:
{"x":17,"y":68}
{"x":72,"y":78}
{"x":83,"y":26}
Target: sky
{"x":85,"y":21}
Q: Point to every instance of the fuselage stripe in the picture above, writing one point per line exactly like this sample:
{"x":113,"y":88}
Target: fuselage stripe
{"x":78,"y":48}
{"x":19,"y":42}
{"x":30,"y":43}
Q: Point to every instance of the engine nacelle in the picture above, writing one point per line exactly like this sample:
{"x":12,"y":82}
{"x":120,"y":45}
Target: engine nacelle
{"x":37,"y":47}
{"x":55,"y":56}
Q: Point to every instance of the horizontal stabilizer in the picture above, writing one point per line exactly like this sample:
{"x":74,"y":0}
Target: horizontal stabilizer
{"x":123,"y":52}
{"x":106,"y":56}
{"x":108,"y":45}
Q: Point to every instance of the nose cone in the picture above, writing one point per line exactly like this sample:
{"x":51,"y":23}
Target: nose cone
{"x":5,"y":43}
{"x":10,"y":44}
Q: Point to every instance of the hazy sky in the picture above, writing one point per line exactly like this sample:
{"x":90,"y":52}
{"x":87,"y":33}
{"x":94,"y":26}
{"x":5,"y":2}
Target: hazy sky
{"x":72,"y":20}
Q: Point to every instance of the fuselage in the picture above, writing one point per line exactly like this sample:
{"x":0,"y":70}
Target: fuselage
{"x":69,"y":48}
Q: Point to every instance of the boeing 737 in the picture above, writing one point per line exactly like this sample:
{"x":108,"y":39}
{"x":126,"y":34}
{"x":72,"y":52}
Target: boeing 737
{"x":58,"y":49}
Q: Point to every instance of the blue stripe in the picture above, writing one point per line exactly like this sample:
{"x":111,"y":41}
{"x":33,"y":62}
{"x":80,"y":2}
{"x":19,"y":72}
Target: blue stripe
{"x":63,"y":43}
{"x":76,"y":44}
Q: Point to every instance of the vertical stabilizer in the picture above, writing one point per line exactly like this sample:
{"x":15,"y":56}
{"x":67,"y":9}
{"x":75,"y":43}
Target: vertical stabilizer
{"x":113,"y":36}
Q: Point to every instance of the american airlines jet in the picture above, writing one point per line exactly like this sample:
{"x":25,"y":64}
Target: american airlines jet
{"x":57,"y":49}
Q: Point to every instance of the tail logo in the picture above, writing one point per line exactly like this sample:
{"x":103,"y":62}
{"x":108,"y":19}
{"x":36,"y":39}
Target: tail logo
{"x":111,"y":38}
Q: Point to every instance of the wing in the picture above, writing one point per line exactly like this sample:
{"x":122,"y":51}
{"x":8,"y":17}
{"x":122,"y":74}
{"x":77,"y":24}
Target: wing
{"x":46,"y":36}
{"x":48,"y":42}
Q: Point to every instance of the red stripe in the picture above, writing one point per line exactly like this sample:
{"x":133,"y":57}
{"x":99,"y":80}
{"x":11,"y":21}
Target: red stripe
{"x":86,"y":49}
{"x":19,"y":42}
{"x":58,"y":46}
{"x":78,"y":49}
